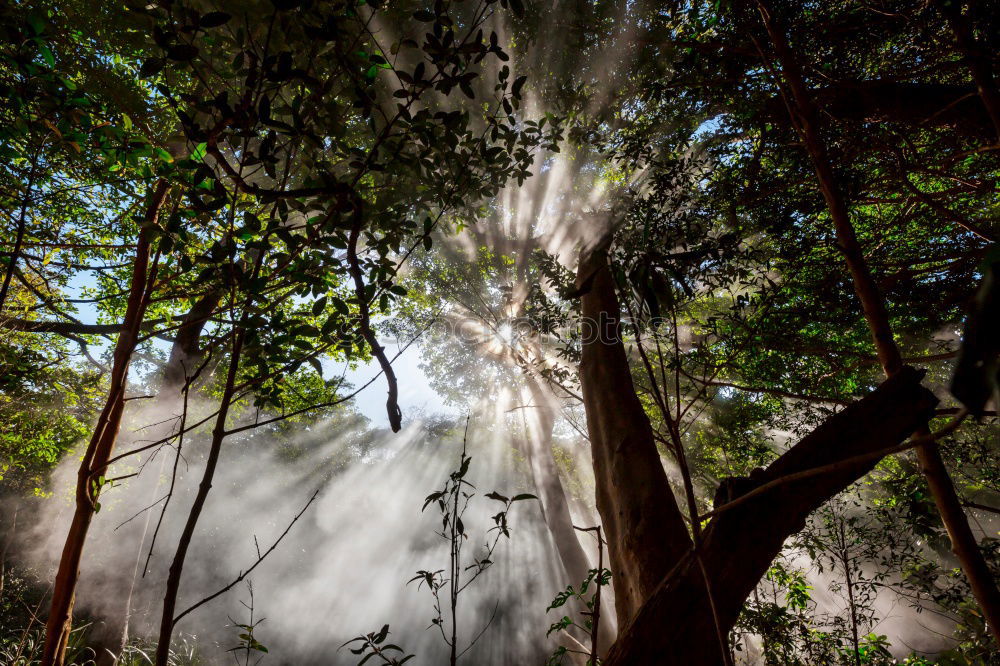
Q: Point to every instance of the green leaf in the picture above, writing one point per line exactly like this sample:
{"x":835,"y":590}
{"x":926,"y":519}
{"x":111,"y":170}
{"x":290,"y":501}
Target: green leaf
{"x":515,"y":89}
{"x":47,"y":56}
{"x":151,"y":67}
{"x":340,"y":305}
{"x":214,"y":19}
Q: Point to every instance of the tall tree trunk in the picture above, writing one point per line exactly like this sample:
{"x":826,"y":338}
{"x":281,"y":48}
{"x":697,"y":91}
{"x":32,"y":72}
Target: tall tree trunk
{"x":545,"y":475}
{"x":110,"y":638}
{"x":645,"y":531}
{"x":102,"y":443}
{"x":806,"y":118}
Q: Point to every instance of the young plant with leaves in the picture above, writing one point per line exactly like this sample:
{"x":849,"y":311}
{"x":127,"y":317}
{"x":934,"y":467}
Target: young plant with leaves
{"x":446,"y":587}
{"x":373,"y":645}
{"x":599,"y":577}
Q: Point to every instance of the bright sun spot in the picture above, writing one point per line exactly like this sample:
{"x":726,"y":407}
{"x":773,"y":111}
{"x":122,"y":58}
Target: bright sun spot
{"x":506,"y":334}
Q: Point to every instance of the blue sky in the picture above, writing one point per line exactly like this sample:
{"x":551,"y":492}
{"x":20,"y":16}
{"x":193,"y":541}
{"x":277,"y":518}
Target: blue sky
{"x":415,"y":392}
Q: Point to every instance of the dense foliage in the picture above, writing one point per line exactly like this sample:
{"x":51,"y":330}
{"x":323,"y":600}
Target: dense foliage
{"x":209,"y":207}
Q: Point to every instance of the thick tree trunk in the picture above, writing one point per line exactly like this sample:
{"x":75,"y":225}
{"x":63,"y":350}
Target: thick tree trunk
{"x":102,"y":443}
{"x":672,"y":619}
{"x":676,"y":626}
{"x":645,"y":531}
{"x":804,"y":114}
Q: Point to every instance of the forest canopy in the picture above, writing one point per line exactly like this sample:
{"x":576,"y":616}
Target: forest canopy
{"x":499,"y":332}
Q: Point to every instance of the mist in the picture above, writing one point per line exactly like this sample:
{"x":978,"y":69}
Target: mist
{"x":689,"y":308}
{"x":343,"y":568}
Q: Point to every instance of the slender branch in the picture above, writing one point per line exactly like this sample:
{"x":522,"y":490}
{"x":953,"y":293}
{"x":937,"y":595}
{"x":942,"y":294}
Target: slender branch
{"x":364,"y":323}
{"x":260,"y":558}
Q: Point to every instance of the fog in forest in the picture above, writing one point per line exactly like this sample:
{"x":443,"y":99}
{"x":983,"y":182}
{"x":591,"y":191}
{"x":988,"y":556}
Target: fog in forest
{"x":499,"y":332}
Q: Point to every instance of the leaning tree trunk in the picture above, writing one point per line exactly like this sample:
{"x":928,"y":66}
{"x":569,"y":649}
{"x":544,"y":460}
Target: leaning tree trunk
{"x":671,"y":619}
{"x":102,"y":443}
{"x":805,"y":116}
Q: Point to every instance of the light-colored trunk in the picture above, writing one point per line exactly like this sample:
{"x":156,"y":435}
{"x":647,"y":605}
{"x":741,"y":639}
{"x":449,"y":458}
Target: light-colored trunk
{"x":552,"y":496}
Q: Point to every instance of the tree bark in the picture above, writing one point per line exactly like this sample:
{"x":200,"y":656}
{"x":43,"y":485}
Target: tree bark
{"x":102,"y":443}
{"x":676,"y":624}
{"x":645,"y":531}
{"x":805,"y":116}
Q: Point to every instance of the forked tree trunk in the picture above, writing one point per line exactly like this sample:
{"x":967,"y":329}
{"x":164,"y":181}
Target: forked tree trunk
{"x":676,"y":626}
{"x":805,"y":116}
{"x":102,"y":444}
{"x":670,"y":620}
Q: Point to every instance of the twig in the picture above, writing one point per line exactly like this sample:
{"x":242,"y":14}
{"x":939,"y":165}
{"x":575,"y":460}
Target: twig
{"x":246,"y":573}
